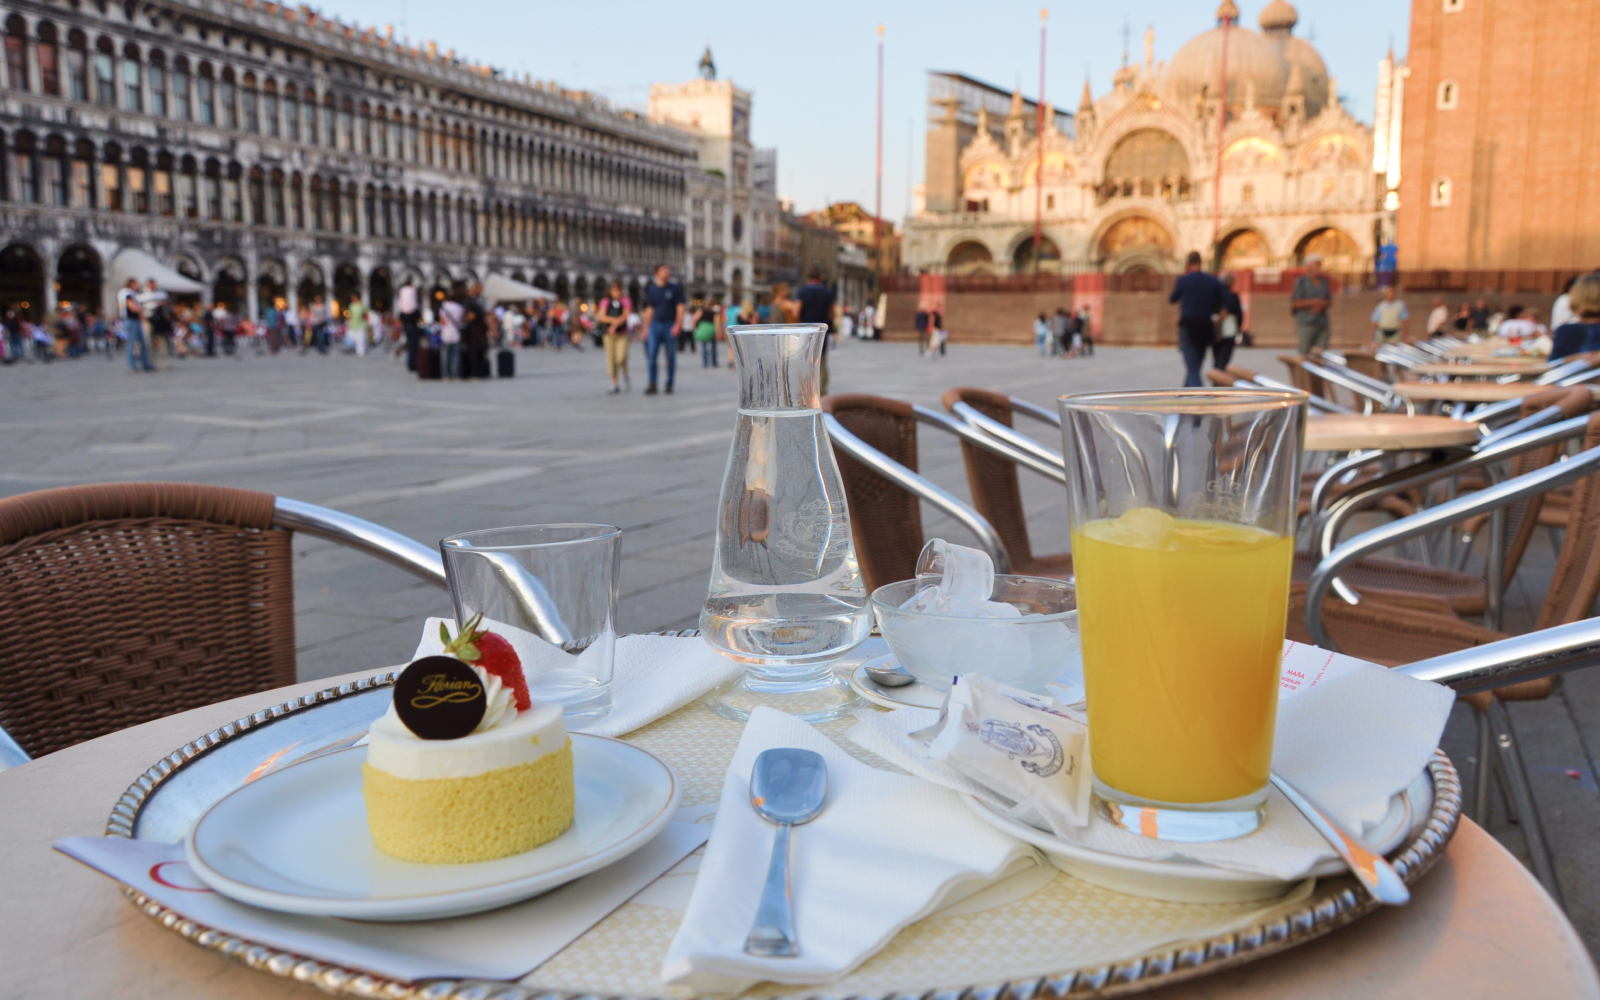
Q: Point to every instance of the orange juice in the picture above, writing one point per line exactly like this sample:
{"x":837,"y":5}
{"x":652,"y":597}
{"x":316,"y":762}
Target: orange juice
{"x":1182,"y":623}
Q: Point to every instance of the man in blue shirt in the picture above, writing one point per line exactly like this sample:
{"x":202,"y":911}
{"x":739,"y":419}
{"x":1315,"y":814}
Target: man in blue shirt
{"x":663,"y":315}
{"x":1200,"y":297}
{"x":819,"y":305}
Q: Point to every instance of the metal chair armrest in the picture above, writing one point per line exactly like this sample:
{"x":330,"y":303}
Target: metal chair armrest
{"x":1319,"y":491}
{"x":1037,"y":412}
{"x":1056,"y":469}
{"x":1433,"y":519}
{"x":1317,"y":402}
{"x":1384,"y":397}
{"x":1564,"y":369}
{"x":361,"y":535}
{"x":888,"y":468}
{"x":994,"y":428}
{"x":1557,"y":650}
{"x":11,"y":754}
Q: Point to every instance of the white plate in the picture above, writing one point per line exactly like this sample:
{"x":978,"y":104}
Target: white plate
{"x":913,"y":695}
{"x":1192,"y":882}
{"x":296,"y":840}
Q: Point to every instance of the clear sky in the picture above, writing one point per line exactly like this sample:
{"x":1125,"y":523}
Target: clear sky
{"x":811,"y":66}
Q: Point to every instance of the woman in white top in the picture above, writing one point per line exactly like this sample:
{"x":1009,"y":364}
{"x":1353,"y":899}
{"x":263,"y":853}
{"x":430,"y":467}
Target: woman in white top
{"x":451,"y":315}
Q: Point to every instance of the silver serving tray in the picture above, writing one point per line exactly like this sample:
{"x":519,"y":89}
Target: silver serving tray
{"x":166,"y":800}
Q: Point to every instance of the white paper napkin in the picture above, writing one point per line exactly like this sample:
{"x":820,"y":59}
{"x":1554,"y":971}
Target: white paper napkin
{"x":653,"y":675}
{"x":886,"y":850}
{"x":506,"y":943}
{"x":1349,"y":734}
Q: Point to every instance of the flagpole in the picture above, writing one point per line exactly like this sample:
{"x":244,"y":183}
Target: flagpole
{"x":1038,"y":174}
{"x":877,"y":203}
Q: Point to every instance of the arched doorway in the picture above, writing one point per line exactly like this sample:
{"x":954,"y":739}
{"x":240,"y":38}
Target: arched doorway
{"x":562,"y":289}
{"x":22,"y":280}
{"x":1026,"y":260}
{"x":541,"y":280}
{"x":78,"y":278}
{"x":442,"y":287}
{"x":1340,"y":253}
{"x":636,"y":294}
{"x":272,"y":286}
{"x":970,"y":257}
{"x":227,"y":289}
{"x":380,"y":290}
{"x":580,"y":288}
{"x":1134,"y":241}
{"x":1243,"y":250}
{"x":346,"y":285}
{"x":312,"y":285}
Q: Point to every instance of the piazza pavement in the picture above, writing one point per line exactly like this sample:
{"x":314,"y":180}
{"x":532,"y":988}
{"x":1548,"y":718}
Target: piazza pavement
{"x":431,"y":459}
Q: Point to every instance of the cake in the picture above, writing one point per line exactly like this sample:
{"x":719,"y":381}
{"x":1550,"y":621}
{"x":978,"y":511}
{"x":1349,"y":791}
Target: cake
{"x":503,"y":788}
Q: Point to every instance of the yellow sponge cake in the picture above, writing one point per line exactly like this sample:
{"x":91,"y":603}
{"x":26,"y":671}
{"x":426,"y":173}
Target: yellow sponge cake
{"x":504,"y":788}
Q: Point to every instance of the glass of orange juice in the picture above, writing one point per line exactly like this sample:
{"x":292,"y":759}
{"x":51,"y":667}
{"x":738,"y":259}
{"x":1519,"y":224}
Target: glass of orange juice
{"x":1182,"y":508}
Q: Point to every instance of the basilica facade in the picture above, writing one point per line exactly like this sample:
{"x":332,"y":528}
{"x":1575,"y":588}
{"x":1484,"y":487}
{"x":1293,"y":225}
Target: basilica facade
{"x":274,"y":155}
{"x":1258,"y":174}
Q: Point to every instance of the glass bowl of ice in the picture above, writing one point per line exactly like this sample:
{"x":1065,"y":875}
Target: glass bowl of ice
{"x":1025,"y":634}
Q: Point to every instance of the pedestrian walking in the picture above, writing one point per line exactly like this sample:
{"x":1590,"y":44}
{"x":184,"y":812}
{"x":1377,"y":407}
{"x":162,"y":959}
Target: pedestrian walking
{"x":1041,"y":335}
{"x":1230,"y":321}
{"x":1199,"y":297}
{"x":1561,"y":310}
{"x":707,"y":324}
{"x":356,"y":336}
{"x":921,"y":322}
{"x":1060,"y":332}
{"x":452,"y":317}
{"x":157,"y":312}
{"x":476,"y":334}
{"x":1309,"y":302}
{"x":663,"y":315}
{"x":410,"y":306}
{"x":1390,"y":318}
{"x":818,"y":305}
{"x":613,"y":313}
{"x":1085,"y":322}
{"x":937,"y":335}
{"x":132,"y":317}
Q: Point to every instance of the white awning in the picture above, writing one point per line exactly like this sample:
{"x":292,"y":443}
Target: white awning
{"x":499,"y":288}
{"x":139,"y":265}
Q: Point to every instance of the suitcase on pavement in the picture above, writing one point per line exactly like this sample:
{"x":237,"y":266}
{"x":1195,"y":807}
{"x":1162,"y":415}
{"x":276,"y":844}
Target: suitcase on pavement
{"x":427,"y":362}
{"x":505,"y":364}
{"x":477,"y":363}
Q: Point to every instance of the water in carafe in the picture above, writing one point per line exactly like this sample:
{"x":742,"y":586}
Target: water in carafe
{"x":786,"y":596}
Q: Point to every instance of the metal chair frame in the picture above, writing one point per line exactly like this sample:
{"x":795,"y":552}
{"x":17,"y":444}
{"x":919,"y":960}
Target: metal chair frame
{"x":332,"y":525}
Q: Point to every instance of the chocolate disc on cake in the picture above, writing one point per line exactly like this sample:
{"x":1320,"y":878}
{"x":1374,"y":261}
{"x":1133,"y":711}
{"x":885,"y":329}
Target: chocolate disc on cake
{"x":439,"y":698}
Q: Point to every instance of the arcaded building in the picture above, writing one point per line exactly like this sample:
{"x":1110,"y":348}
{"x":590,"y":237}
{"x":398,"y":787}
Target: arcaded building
{"x":1131,"y":182}
{"x":1500,"y":123}
{"x":270,"y":153}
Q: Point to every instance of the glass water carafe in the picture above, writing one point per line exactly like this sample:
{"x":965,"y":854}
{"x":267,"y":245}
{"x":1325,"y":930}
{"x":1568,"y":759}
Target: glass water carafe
{"x":786,"y":597}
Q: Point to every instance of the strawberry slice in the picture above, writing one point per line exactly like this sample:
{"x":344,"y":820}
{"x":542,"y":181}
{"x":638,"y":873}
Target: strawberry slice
{"x":482,"y":648}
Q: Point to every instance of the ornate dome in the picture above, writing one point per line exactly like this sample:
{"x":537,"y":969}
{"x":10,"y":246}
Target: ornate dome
{"x":1254,"y":59}
{"x":1279,"y":15}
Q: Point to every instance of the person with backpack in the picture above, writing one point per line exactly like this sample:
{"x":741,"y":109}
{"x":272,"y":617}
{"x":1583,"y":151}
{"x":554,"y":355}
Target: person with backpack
{"x":707,"y":324}
{"x":614,"y":313}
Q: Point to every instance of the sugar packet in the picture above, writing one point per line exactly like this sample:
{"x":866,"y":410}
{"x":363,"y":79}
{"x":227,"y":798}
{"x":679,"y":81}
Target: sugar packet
{"x":1021,"y":746}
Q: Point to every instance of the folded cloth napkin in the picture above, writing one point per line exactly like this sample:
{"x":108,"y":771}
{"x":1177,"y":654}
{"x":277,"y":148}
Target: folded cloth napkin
{"x":652,"y":676}
{"x":886,"y":850}
{"x":1349,"y":734}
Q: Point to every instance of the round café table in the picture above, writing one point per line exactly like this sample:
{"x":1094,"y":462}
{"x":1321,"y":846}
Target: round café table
{"x":1465,"y":392}
{"x":1387,"y":432}
{"x":1477,"y":925}
{"x":1484,"y":369}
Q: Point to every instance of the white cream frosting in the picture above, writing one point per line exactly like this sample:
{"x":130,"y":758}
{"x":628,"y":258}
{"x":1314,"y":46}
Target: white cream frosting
{"x":505,"y":738}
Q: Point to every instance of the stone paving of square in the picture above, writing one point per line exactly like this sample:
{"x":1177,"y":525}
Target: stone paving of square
{"x":430,"y":459}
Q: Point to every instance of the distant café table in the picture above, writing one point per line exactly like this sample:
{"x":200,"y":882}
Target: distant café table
{"x":1487,"y":350}
{"x":1465,"y":392}
{"x":1477,"y":925}
{"x":1485,"y":369}
{"x":1387,"y":432}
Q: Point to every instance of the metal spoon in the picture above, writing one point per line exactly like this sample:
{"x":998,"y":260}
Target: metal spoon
{"x":787,"y":787}
{"x":885,"y":675}
{"x":1368,"y":866}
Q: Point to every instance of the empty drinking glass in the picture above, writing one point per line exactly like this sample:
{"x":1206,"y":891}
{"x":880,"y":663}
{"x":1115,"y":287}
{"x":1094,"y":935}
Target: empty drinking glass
{"x":786,"y":597}
{"x":558,"y":584}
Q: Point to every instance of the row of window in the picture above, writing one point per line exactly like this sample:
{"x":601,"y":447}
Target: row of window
{"x":147,"y":84}
{"x":49,"y":173}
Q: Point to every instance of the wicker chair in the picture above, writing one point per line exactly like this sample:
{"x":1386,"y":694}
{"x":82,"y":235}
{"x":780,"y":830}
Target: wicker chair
{"x":1304,"y":380}
{"x":1365,"y":362}
{"x":1391,"y":635}
{"x":996,"y":491}
{"x":885,"y":519}
{"x":125,"y":602}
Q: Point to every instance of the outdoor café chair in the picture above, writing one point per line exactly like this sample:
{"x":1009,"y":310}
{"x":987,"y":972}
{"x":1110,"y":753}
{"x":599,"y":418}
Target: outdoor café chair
{"x":1383,"y":633}
{"x":875,"y":443}
{"x":125,"y":602}
{"x":993,"y":479}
